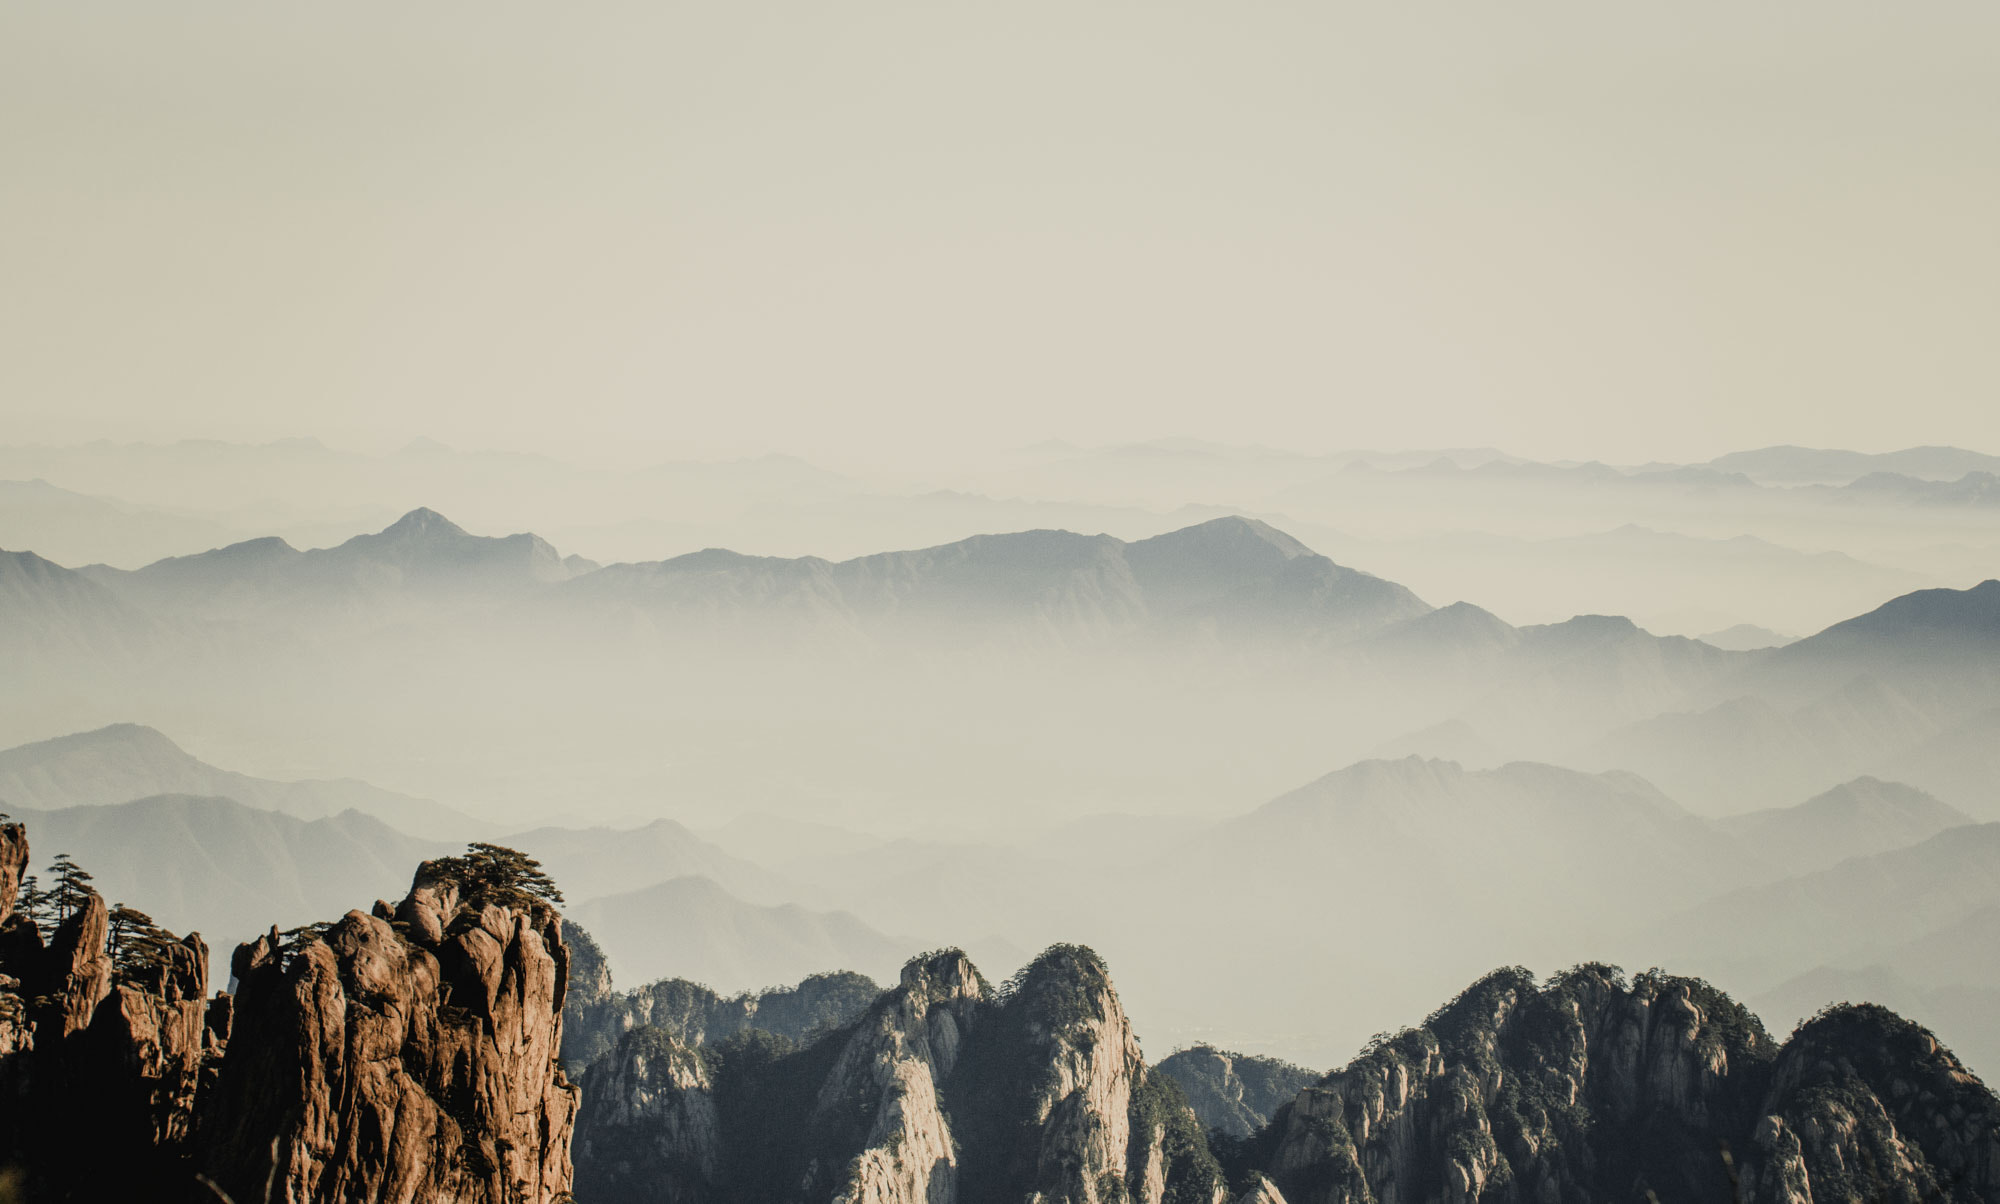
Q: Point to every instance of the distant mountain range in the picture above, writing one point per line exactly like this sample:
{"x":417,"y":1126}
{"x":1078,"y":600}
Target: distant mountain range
{"x":1817,"y":466}
{"x":421,"y":555}
{"x":1226,"y":579}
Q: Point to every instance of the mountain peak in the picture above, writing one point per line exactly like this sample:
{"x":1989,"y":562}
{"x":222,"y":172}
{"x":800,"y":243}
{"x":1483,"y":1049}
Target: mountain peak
{"x":135,"y":736}
{"x":422,"y":523}
{"x":1231,"y":531}
{"x":1926,"y":616}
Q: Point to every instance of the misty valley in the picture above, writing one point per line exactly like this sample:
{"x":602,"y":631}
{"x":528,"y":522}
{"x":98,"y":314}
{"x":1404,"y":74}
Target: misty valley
{"x":429,"y":865}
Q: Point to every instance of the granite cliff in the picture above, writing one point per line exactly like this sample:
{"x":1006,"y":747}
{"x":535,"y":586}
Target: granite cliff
{"x":1590,"y":1088}
{"x":410,"y":1054}
{"x":407,"y":1055}
{"x":946,"y":1090}
{"x":1581,"y":1088}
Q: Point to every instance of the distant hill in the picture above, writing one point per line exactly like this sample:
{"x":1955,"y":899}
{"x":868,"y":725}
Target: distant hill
{"x":127,"y":761}
{"x":1937,"y":647}
{"x":52,"y":614}
{"x":1746,"y":753}
{"x":690,"y":927}
{"x":1972,"y":489}
{"x":77,"y":528}
{"x":1806,"y":466}
{"x":1546,"y":825}
{"x":1860,"y":817}
{"x":1853,"y":913}
{"x":1237,"y":1093}
{"x":589,"y":863}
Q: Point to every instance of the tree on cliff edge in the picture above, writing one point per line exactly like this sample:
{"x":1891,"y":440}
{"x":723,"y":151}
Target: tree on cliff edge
{"x":72,"y":887}
{"x":491,"y":873}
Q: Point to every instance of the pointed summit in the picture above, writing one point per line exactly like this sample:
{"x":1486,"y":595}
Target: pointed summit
{"x":1229,"y":536}
{"x":422,"y":523}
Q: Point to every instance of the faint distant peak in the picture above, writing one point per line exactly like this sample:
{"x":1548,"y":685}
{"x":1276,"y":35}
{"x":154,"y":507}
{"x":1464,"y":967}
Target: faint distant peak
{"x":422,"y":523}
{"x":1589,"y":627}
{"x":1791,"y":465}
{"x":1463,"y":616}
{"x":425,"y":445}
{"x":134,"y":737}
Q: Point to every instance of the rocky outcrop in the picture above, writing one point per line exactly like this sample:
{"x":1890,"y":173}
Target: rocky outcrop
{"x":889,"y":1078}
{"x":149,"y":1048}
{"x":1237,"y":1093}
{"x":101,"y":1067}
{"x":13,"y":865}
{"x":945,"y":1091}
{"x":1864,"y":1105}
{"x":1578,"y":1089}
{"x":412,"y":1058}
{"x":1587,"y":1088}
{"x":648,"y":1132}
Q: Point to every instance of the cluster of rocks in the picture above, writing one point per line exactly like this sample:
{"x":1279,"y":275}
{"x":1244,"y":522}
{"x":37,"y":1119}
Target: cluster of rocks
{"x":408,"y":1055}
{"x":1589,"y":1088}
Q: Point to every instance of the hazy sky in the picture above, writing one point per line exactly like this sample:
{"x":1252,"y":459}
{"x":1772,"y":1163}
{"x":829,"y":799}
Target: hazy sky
{"x":864,"y":228}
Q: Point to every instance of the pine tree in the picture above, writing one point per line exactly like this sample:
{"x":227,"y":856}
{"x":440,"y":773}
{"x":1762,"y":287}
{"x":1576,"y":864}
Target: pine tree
{"x":36,"y":904}
{"x":491,"y":873}
{"x":136,"y":941}
{"x":72,"y":886}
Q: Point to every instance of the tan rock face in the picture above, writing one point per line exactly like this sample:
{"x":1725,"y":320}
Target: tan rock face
{"x":13,"y":864}
{"x":895,"y":1064}
{"x":413,"y":1060}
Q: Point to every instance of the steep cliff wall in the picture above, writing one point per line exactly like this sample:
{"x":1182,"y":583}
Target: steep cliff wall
{"x":944,"y":1091}
{"x":404,"y":1058}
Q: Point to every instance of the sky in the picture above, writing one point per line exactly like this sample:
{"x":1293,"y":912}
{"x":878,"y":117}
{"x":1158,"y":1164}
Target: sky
{"x":891,"y":231}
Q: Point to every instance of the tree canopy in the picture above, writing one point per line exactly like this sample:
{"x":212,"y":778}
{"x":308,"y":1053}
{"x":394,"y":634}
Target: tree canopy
{"x":72,"y":887}
{"x":136,"y":942}
{"x":491,"y":873}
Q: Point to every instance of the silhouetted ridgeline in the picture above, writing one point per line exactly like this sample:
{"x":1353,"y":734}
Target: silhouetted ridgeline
{"x":415,"y":1054}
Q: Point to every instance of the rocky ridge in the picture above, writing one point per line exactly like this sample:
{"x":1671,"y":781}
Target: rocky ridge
{"x":407,"y":1055}
{"x":1589,"y":1088}
{"x":946,"y":1091}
